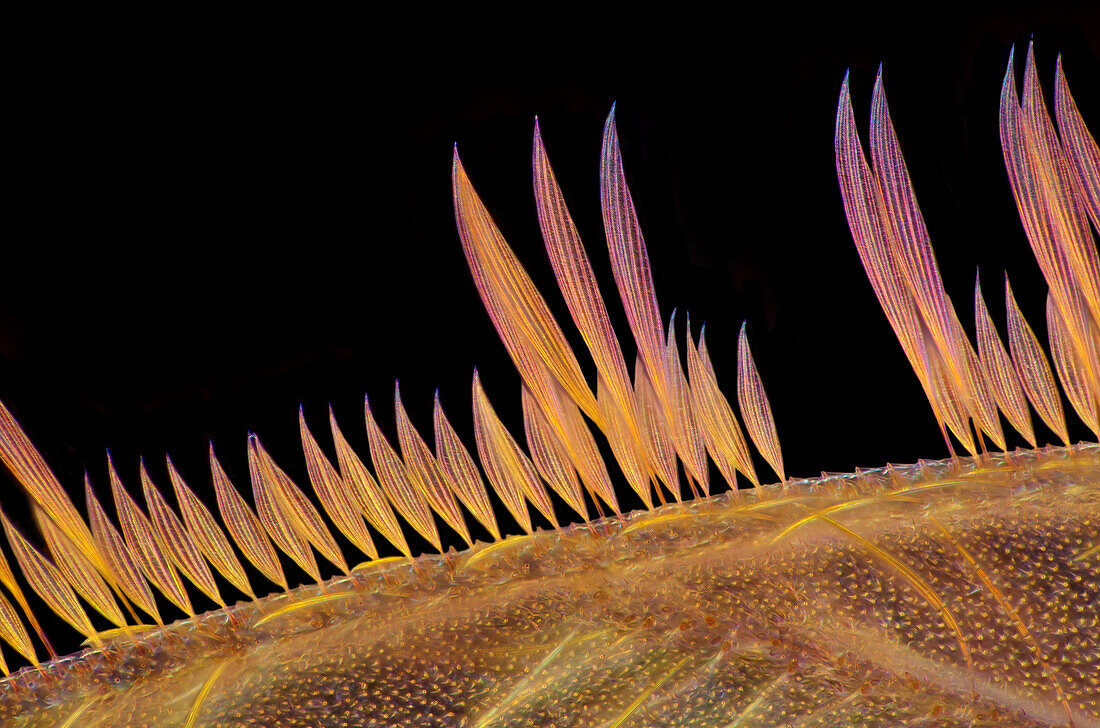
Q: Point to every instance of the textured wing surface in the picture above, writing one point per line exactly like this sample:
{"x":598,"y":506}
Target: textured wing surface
{"x":905,"y":597}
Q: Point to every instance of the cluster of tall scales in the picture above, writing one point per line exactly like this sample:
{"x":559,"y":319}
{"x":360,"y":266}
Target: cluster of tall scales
{"x":655,"y":422}
{"x":1055,"y":179}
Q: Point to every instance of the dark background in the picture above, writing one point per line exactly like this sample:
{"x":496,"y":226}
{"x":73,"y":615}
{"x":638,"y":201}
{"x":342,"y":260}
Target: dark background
{"x":207,"y":229}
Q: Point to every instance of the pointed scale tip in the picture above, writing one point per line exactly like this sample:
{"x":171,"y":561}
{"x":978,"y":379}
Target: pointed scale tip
{"x":1059,"y":74}
{"x":844,"y":98}
{"x":879,"y":89}
{"x":1029,"y":62}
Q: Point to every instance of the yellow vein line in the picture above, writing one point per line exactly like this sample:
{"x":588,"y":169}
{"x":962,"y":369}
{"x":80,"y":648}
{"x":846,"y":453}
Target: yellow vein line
{"x":479,"y":555}
{"x":302,"y":605}
{"x":758,"y":700}
{"x":193,"y":714}
{"x":645,"y":695}
{"x":912,"y":577}
{"x":369,"y":565}
{"x":1021,"y":626}
{"x":514,"y":695}
{"x":857,"y":503}
{"x":829,"y":708}
{"x":1087,"y":553}
{"x":668,"y":518}
{"x":657,"y":520}
{"x":130,"y":630}
{"x":71,"y":721}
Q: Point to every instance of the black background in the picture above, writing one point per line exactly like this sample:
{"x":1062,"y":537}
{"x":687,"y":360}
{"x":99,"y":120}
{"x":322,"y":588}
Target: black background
{"x":207,"y":228}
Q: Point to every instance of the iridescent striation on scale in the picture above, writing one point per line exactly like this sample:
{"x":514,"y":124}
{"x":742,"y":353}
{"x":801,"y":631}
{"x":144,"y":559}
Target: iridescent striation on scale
{"x":954,"y":593}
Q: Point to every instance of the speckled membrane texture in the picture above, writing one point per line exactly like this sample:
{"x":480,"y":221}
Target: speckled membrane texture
{"x":945,"y":594}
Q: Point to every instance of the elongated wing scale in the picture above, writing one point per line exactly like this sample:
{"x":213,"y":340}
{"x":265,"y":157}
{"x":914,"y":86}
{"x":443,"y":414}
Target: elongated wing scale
{"x":116,"y":553}
{"x":1034,"y":369}
{"x":455,"y":460}
{"x":77,"y":570}
{"x":207,"y":534}
{"x":1000,"y":371}
{"x":336,"y":497}
{"x":549,"y":457}
{"x":372,"y":499}
{"x":244,"y":525}
{"x":424,"y":471}
{"x":45,"y":579}
{"x":755,"y":408}
{"x":174,"y":540}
